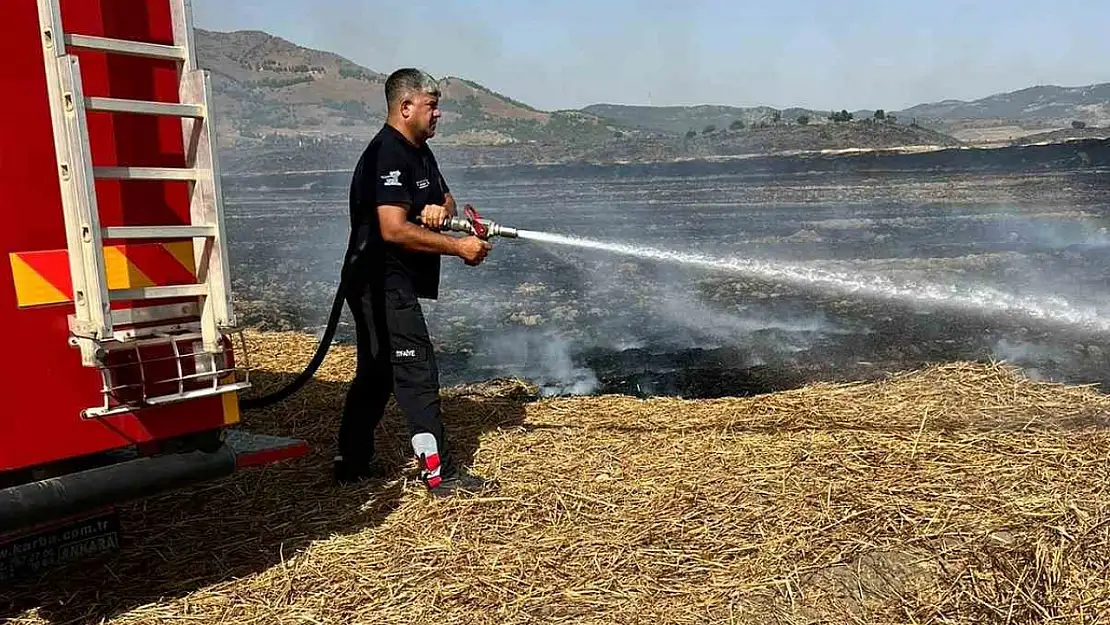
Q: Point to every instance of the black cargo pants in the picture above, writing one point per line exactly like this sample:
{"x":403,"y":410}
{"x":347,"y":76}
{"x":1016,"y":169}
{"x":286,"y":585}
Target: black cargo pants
{"x":395,"y":356}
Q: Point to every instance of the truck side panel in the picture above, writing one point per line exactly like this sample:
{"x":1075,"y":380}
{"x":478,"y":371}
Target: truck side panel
{"x":44,"y":386}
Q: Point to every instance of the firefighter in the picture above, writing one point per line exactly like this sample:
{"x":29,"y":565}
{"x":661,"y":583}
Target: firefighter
{"x":398,"y":202}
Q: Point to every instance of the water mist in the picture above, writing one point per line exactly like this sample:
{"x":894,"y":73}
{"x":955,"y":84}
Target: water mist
{"x":973,"y":299}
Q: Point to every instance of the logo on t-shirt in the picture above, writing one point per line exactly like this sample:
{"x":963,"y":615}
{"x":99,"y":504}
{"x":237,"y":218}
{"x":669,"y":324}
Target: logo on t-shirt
{"x":392,"y":179}
{"x":422,"y":183}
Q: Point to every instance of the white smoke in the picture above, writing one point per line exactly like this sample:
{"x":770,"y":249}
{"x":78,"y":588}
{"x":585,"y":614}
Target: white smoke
{"x":543,"y":357}
{"x":643,"y":303}
{"x":685,"y":309}
{"x":1030,"y":357}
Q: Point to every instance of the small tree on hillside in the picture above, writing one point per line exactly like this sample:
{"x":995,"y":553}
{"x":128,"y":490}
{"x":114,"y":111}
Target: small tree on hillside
{"x":880,"y":114}
{"x":736,"y":125}
{"x":803,"y":120}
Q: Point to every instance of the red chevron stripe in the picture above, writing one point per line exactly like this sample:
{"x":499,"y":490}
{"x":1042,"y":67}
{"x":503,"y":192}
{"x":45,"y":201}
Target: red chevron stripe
{"x":52,"y":266}
{"x":158,"y":264}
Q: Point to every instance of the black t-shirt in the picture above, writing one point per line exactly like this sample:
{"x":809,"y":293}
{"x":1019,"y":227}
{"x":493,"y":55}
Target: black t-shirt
{"x":394,"y":171}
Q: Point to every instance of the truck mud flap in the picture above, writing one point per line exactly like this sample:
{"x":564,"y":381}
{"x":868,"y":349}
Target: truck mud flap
{"x":82,"y":492}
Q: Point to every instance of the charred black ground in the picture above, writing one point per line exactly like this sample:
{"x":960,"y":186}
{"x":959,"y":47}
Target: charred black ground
{"x":581,"y":321}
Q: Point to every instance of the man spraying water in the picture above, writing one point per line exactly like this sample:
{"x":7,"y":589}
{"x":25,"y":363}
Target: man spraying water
{"x":399,"y":201}
{"x":400,"y":207}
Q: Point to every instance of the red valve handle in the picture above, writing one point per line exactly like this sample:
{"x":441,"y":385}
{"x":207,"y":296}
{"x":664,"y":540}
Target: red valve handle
{"x":471,"y":214}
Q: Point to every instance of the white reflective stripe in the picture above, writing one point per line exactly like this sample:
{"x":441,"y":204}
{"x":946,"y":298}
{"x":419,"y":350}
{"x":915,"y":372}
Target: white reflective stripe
{"x":424,"y":445}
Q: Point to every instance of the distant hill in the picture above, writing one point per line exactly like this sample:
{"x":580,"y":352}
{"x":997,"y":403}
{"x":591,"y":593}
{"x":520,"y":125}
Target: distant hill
{"x":291,"y":154}
{"x":682,"y":119}
{"x":1003,"y":117}
{"x":867,"y":134}
{"x":1043,"y":104}
{"x":288,"y":107}
{"x":266,"y":86}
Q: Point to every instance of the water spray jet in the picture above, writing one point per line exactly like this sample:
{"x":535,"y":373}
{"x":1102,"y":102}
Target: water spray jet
{"x":1051,"y":310}
{"x":975,"y":299}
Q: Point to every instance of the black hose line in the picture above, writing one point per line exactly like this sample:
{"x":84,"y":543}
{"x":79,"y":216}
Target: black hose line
{"x":354,"y":253}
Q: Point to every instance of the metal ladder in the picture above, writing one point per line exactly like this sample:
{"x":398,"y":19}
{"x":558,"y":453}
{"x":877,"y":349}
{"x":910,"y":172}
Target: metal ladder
{"x":94,"y":323}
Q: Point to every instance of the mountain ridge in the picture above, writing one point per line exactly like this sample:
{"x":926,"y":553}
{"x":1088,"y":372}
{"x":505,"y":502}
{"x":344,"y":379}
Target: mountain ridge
{"x":272,"y":94}
{"x":1086,"y":103}
{"x":265,"y":85}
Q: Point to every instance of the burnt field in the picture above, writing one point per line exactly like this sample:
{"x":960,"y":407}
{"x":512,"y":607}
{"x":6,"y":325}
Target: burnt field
{"x":579,"y":321}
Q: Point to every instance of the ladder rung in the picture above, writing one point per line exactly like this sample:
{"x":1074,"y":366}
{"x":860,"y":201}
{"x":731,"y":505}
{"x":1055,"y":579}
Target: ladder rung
{"x":146,"y":173}
{"x":124,"y":46}
{"x":158,"y":232}
{"x":132,"y":334}
{"x":153,"y":314}
{"x":142,"y":107}
{"x":188,"y":337}
{"x":160,"y":292}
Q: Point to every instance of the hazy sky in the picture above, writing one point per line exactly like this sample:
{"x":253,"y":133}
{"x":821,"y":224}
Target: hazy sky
{"x":824,"y":55}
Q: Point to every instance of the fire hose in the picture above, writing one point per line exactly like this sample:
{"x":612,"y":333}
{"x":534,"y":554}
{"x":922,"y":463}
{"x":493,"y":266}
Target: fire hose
{"x":470,"y":223}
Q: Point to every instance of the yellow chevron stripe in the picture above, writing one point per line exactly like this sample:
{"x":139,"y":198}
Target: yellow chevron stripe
{"x":122,"y":273}
{"x":34,"y":290}
{"x":30,"y":287}
{"x":183,"y":252}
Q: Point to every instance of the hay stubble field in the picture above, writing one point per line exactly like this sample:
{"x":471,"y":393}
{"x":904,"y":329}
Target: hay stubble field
{"x":960,"y":493}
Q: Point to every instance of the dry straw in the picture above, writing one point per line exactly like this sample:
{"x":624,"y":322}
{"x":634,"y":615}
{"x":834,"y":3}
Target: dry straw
{"x":962,"y":493}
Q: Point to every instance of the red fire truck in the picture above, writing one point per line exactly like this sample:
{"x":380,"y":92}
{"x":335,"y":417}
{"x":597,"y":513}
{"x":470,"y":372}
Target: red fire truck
{"x":123,"y":374}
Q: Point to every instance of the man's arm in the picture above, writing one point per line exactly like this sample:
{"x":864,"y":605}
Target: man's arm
{"x":397,"y":229}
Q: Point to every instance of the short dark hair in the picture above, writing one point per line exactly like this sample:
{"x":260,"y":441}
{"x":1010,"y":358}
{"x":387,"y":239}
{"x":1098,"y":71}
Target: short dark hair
{"x":406,"y":81}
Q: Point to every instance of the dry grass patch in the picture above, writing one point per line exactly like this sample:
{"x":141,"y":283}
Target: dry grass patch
{"x":962,"y":493}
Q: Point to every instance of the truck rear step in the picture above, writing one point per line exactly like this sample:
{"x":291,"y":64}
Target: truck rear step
{"x":26,"y":506}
